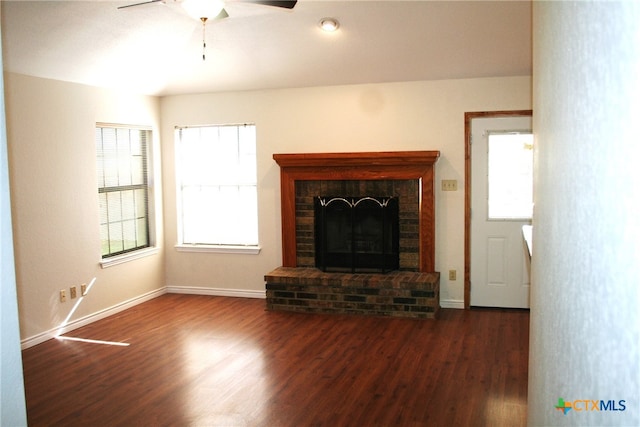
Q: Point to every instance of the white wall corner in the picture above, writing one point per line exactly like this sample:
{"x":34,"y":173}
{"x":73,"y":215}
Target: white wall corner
{"x":83,"y":321}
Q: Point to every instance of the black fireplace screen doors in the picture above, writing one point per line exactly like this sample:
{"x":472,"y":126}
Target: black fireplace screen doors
{"x":356,"y":234}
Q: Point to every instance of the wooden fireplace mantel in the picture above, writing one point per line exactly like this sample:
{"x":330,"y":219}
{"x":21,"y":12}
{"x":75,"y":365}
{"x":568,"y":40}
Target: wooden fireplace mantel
{"x":359,"y":166}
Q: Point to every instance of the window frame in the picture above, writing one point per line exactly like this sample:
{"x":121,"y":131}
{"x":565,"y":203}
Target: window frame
{"x":151,"y":247}
{"x":181,"y":246}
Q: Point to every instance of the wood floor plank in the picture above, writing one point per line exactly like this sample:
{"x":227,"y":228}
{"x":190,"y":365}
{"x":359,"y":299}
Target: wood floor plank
{"x":215,"y":361}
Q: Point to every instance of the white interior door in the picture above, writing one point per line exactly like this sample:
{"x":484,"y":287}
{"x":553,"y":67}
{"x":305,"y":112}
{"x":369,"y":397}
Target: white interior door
{"x":501,"y":203}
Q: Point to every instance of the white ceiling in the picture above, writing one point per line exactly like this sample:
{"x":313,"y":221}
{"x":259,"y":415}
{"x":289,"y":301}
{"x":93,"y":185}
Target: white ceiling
{"x":157,"y":49}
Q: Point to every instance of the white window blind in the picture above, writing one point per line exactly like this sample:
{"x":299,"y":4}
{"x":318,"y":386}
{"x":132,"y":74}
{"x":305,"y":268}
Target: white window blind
{"x":122,"y":188}
{"x":217,"y":185}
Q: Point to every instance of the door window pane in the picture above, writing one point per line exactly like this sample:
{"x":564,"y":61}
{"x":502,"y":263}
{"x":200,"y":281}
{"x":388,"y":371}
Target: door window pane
{"x":510,"y":176}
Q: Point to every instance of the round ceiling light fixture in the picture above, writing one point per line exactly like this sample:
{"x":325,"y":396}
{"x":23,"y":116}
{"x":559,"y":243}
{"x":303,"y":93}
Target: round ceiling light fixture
{"x":329,"y":24}
{"x":203,"y":10}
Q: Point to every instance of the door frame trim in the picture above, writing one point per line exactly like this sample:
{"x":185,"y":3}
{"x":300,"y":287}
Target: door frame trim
{"x":468,"y":117}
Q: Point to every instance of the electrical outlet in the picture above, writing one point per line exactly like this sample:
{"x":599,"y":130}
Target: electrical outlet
{"x":452,"y":275}
{"x":73,"y":292}
{"x":83,"y":289}
{"x":449,"y":185}
{"x":63,"y":295}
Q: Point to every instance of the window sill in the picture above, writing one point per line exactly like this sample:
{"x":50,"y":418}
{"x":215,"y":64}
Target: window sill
{"x":120,"y":259}
{"x":221,"y":249}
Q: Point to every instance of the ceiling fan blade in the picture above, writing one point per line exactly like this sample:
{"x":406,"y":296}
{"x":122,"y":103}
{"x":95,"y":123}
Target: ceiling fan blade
{"x":140,"y":4}
{"x":275,"y":3}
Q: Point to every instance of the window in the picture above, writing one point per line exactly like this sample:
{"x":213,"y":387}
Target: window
{"x":217,"y":187}
{"x":510,"y":175}
{"x":123,"y":189}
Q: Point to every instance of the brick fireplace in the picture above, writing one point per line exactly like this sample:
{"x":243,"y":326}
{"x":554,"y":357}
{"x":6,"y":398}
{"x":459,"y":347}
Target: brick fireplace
{"x":407,"y":192}
{"x":410,"y":291}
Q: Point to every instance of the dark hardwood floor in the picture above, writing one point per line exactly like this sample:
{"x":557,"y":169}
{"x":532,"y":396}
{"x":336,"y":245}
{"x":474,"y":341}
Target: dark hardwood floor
{"x":216,"y":361}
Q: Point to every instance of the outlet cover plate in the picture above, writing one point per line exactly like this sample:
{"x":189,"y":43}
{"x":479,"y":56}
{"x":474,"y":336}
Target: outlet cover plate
{"x":449,"y":185}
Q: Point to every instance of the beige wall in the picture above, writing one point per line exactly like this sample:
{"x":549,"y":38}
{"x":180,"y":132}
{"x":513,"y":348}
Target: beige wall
{"x":381,"y":117}
{"x":52,"y":168}
{"x":50,"y":132}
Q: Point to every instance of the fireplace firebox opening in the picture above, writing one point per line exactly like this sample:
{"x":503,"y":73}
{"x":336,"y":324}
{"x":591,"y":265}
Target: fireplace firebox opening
{"x":356,"y":234}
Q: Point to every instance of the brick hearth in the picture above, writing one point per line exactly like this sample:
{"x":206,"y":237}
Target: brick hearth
{"x":397,"y":294}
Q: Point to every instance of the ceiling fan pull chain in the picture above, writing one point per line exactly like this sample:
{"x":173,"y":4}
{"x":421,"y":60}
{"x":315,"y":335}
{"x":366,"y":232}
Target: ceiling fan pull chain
{"x":204,"y":42}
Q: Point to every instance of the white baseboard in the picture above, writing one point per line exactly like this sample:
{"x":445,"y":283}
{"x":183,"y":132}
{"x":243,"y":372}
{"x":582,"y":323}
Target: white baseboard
{"x":75,"y":324}
{"x":452,"y":303}
{"x":220,"y":292}
{"x":193,"y":290}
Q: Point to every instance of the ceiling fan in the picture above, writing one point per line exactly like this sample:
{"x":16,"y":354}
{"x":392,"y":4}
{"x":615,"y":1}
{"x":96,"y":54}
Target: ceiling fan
{"x":207,"y":6}
{"x":209,"y":10}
